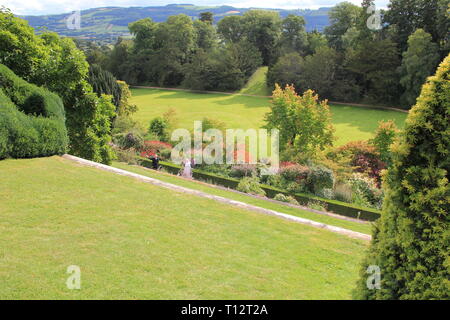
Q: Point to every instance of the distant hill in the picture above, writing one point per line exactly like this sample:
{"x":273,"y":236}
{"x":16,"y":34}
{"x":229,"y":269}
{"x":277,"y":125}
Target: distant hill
{"x":106,"y":24}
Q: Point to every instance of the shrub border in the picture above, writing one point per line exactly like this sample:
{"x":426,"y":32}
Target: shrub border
{"x":333,"y":206}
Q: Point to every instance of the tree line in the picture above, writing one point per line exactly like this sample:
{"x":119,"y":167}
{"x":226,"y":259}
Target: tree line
{"x":347,"y":62}
{"x":357,"y":64}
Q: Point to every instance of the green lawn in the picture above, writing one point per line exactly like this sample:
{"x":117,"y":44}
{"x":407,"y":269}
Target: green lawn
{"x":133,"y":240}
{"x":244,"y":112}
{"x":355,"y":226}
{"x":257,"y":83}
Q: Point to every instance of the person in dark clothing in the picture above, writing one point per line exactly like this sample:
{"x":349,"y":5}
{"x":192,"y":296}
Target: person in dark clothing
{"x":155,"y":161}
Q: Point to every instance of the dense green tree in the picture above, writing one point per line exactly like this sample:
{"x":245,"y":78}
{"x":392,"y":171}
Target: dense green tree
{"x":177,"y":42}
{"x":94,"y":53}
{"x":322,"y":72}
{"x":315,"y":40}
{"x":225,"y":70}
{"x":409,"y":15}
{"x":246,"y":57}
{"x":20,"y":49}
{"x":350,"y":38}
{"x":57,"y":64}
{"x":443,"y":26}
{"x":375,"y":64}
{"x":88,"y":116}
{"x":287,"y":71}
{"x":263,"y":29}
{"x":120,"y":61}
{"x":125,"y":107}
{"x":205,"y":35}
{"x":419,"y":62}
{"x":231,"y":28}
{"x":294,"y":36}
{"x":385,"y":136}
{"x":365,"y":19}
{"x":319,"y":72}
{"x":342,"y":17}
{"x":201,"y":73}
{"x":411,"y":244}
{"x":304,"y":122}
{"x":144,"y":32}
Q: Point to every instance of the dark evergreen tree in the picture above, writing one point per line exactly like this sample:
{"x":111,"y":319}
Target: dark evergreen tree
{"x":411,"y":244}
{"x":103,"y":82}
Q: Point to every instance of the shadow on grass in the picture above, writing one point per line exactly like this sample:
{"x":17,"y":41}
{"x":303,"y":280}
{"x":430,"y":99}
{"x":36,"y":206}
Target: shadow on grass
{"x":215,"y":98}
{"x":365,"y":119}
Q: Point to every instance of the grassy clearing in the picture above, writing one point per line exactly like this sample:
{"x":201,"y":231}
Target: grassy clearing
{"x":363,"y":228}
{"x":135,"y":241}
{"x":257,"y":83}
{"x":351,"y":123}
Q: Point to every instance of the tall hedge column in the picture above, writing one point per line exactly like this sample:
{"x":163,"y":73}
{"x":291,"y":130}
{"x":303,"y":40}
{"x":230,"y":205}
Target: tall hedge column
{"x":411,"y":243}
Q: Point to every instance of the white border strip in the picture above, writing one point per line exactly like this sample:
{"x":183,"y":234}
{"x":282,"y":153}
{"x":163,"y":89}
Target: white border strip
{"x":346,"y":232}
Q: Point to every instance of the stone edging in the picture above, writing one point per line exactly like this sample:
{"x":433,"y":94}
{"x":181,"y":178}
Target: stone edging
{"x":324,"y":213}
{"x":342,"y":231}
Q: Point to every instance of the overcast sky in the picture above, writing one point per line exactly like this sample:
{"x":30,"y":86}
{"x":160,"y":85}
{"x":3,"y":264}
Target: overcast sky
{"x":38,"y":7}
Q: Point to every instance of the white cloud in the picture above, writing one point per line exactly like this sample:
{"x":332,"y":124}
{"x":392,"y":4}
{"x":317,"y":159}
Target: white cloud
{"x":38,"y":7}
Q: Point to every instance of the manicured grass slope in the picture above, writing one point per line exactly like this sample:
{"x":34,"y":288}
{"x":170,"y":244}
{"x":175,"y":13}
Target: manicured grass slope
{"x":355,"y":226}
{"x":351,"y":123}
{"x":133,"y":240}
{"x":257,"y":83}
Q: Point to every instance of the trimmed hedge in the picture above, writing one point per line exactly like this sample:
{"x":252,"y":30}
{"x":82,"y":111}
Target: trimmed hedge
{"x":337,"y":207}
{"x":32,"y":119}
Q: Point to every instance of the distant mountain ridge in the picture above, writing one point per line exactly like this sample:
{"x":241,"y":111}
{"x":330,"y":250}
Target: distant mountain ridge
{"x":108,"y":23}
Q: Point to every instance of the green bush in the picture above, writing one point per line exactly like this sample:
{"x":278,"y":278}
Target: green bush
{"x":32,"y":119}
{"x":288,"y":199}
{"x":384,"y":137}
{"x":251,"y":185}
{"x":294,"y":173}
{"x":319,"y":178}
{"x":129,"y":140}
{"x":271,"y":191}
{"x":243,"y":170}
{"x":128,"y":156}
{"x":223,"y":170}
{"x":365,"y":191}
{"x":158,"y":126}
{"x":326,"y":193}
{"x":316,"y":205}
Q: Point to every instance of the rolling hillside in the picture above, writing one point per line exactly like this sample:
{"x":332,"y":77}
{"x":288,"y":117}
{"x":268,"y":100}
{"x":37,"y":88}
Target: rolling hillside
{"x":106,"y":24}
